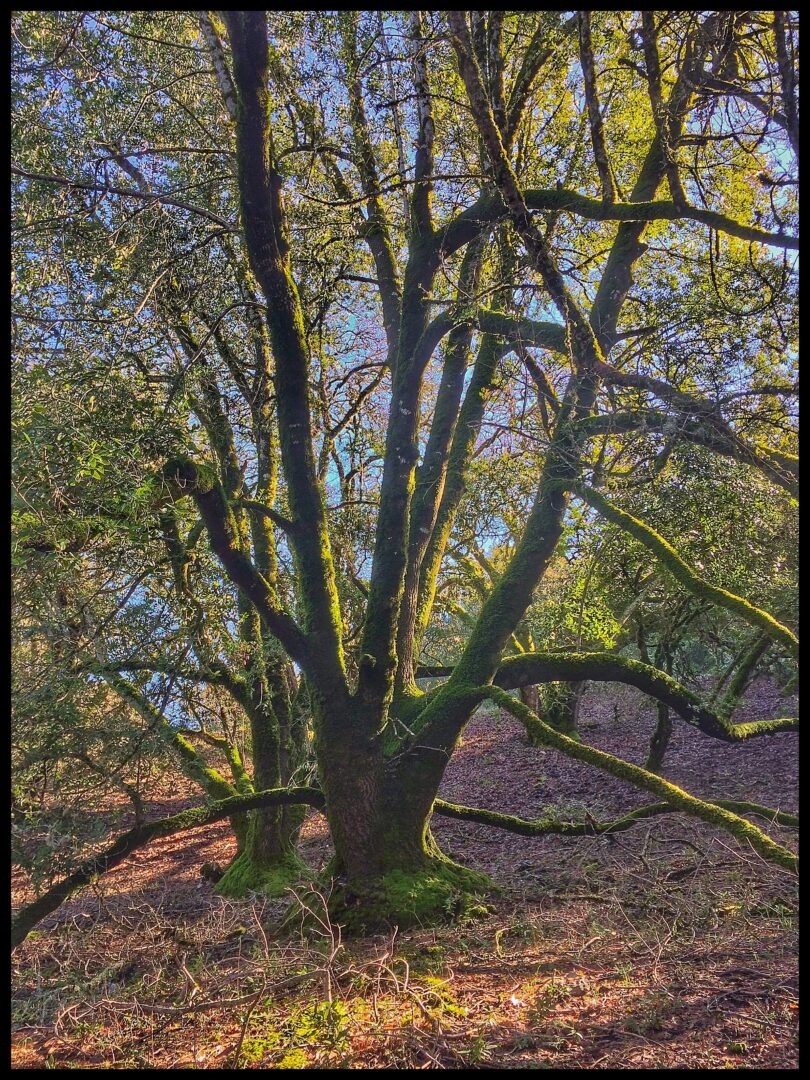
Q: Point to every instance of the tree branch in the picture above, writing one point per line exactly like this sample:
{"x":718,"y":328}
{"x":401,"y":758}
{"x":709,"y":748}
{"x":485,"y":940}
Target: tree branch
{"x":27,"y":917}
{"x":155,"y":197}
{"x":554,"y":825}
{"x":188,"y":479}
{"x":529,"y":669}
{"x":683,"y":573}
{"x":594,"y":112}
{"x":676,"y":797}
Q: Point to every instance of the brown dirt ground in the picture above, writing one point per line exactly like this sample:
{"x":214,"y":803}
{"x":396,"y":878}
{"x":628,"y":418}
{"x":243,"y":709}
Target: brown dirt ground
{"x":666,"y":946}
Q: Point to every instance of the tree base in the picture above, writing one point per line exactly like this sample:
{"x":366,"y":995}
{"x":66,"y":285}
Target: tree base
{"x":439,"y":891}
{"x":245,"y":875}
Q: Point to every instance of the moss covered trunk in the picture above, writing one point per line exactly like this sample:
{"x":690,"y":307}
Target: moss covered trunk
{"x":393,"y":873}
{"x":388,"y":869}
{"x":267,"y":859}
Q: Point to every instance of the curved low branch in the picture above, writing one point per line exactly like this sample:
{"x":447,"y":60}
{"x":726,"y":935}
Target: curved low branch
{"x":27,"y":917}
{"x":553,"y":825}
{"x":715,"y":815}
{"x":683,"y":573}
{"x":529,"y":669}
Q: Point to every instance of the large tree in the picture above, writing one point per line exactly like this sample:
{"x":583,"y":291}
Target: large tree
{"x":350,"y":272}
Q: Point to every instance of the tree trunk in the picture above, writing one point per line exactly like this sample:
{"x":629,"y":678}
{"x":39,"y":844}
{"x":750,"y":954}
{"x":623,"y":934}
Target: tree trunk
{"x":388,"y":868}
{"x":557,"y":703}
{"x":663,"y":728}
{"x":659,"y":740}
{"x":563,"y":705}
{"x":530,"y":696}
{"x":267,"y":859}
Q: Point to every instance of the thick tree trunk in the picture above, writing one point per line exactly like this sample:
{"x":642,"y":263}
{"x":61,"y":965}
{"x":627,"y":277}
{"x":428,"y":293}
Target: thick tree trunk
{"x":388,"y":869}
{"x":659,"y":740}
{"x":395,"y":874}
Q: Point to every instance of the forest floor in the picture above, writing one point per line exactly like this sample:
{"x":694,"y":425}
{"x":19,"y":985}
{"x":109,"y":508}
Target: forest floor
{"x":665,"y":946}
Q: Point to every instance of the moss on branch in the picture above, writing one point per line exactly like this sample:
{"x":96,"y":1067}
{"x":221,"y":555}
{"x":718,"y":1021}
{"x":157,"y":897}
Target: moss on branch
{"x":553,"y":824}
{"x":194,"y":766}
{"x":741,"y":829}
{"x":683,"y":573}
{"x":27,"y":917}
{"x":529,"y":669}
{"x":188,"y":478}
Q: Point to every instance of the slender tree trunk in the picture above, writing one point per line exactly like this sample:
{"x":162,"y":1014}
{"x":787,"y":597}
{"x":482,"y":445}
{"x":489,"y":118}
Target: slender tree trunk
{"x":562,"y":708}
{"x":530,"y":696}
{"x":660,"y":739}
{"x":663,"y":728}
{"x":267,"y":858}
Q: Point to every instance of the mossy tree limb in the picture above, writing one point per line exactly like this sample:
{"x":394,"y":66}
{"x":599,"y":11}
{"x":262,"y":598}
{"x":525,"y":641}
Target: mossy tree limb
{"x":530,"y":668}
{"x":684,"y":574}
{"x":585,"y":348}
{"x":27,"y":917}
{"x":193,"y":764}
{"x":628,"y":247}
{"x":190,"y":479}
{"x":465,"y":435}
{"x":266,"y":235}
{"x":742,"y":675}
{"x":241,"y":778}
{"x":633,"y":215}
{"x":715,"y":815}
{"x":441,"y":718}
{"x":554,"y":825}
{"x":431,"y":474}
{"x":376,"y":229}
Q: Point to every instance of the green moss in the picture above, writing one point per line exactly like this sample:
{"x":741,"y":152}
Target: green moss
{"x":791,"y":684}
{"x":245,"y":875}
{"x":739,"y":827}
{"x":439,"y":891}
{"x":683,"y":573}
{"x":187,"y":476}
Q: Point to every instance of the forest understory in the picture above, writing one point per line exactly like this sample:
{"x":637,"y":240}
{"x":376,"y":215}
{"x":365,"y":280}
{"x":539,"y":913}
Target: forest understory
{"x":667,"y":945}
